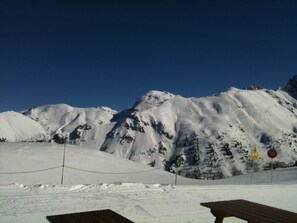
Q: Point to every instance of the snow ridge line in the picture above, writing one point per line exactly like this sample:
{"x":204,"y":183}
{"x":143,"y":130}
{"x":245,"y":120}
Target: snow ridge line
{"x":74,"y":168}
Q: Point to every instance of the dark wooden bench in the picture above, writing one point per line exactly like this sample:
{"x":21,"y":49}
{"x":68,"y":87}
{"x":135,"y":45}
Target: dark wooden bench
{"x":250,"y":212}
{"x":101,"y":216}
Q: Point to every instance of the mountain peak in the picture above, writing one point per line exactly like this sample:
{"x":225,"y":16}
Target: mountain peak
{"x":291,"y":87}
{"x":152,"y":98}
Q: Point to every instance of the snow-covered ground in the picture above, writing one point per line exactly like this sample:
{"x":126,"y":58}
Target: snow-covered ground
{"x":138,"y":192}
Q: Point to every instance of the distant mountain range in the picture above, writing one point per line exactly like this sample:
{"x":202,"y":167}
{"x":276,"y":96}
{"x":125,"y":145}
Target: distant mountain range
{"x":209,"y":137}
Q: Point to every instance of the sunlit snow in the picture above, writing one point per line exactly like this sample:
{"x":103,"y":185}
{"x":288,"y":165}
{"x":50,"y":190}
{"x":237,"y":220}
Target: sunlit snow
{"x":138,"y":192}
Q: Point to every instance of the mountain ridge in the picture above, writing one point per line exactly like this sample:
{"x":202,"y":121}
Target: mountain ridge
{"x":209,"y":136}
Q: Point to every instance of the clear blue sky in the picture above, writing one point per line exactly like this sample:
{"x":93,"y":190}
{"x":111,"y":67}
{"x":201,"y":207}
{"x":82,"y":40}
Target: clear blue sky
{"x":109,"y":53}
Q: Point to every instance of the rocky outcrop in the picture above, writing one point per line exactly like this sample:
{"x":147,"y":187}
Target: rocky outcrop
{"x":291,"y":87}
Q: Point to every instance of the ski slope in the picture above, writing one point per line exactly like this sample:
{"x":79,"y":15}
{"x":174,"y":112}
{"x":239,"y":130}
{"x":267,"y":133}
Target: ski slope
{"x":136,"y":191}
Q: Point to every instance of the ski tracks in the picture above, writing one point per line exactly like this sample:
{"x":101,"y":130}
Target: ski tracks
{"x":138,"y":202}
{"x":135,"y":201}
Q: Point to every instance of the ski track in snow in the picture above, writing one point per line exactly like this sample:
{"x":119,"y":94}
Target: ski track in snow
{"x":138,"y":202}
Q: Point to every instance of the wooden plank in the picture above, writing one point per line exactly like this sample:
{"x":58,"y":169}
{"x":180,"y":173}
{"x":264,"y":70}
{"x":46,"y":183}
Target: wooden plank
{"x":242,"y":211}
{"x":251,"y":212}
{"x":69,"y":218}
{"x":62,"y":219}
{"x":54,"y":219}
{"x":117,"y":217}
{"x":266,"y":212}
{"x":101,"y":216}
{"x":81,"y":217}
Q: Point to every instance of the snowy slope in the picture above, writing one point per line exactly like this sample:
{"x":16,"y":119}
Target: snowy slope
{"x":41,"y":163}
{"x":17,"y":127}
{"x":141,"y":203}
{"x":144,"y":195}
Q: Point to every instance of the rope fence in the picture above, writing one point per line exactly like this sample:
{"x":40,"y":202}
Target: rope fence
{"x":78,"y":169}
{"x":119,"y":173}
{"x":32,"y":171}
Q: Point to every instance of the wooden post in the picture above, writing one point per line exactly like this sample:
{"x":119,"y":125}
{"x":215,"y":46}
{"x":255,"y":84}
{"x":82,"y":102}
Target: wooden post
{"x":63,"y":164}
{"x":253,"y":169}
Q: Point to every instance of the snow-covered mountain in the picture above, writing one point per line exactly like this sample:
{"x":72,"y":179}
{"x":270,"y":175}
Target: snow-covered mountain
{"x":15,"y":127}
{"x":62,"y":120}
{"x":204,"y":137}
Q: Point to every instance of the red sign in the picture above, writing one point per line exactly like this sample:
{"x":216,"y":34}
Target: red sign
{"x":272,"y":153}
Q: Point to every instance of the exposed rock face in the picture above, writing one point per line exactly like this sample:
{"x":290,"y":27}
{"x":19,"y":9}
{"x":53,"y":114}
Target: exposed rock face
{"x":291,"y":87}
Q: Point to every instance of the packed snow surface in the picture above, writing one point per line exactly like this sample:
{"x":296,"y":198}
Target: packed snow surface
{"x":30,"y":187}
